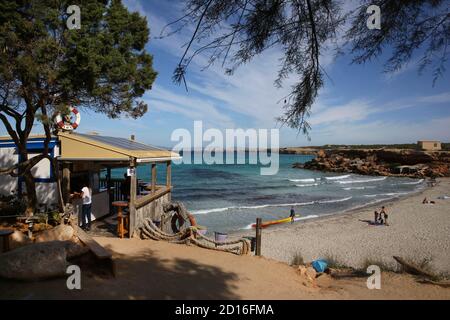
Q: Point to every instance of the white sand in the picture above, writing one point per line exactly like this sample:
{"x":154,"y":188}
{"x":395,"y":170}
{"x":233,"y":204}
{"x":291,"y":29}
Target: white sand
{"x":415,"y":232}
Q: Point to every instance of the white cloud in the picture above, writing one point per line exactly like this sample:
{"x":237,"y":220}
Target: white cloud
{"x":438,"y":98}
{"x":188,"y":106}
{"x":356,"y":110}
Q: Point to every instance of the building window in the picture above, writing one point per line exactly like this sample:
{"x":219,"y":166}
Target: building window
{"x":435,"y":145}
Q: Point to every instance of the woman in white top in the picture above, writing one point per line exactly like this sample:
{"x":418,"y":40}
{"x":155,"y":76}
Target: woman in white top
{"x":86,"y":195}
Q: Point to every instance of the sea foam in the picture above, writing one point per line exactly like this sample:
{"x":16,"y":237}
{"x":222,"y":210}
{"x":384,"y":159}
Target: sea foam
{"x":338,"y":177}
{"x":302,"y":180}
{"x":362,"y":181}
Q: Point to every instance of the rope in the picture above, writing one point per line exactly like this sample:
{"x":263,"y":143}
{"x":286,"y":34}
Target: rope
{"x":191,"y":236}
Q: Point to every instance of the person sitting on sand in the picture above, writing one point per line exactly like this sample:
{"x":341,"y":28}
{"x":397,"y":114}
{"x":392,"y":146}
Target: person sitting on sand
{"x":426,"y":201}
{"x":385,"y":215}
{"x":292,"y":215}
{"x":376,"y":217}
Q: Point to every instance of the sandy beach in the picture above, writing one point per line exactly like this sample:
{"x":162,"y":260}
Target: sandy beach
{"x":416,"y":232}
{"x":147,"y":269}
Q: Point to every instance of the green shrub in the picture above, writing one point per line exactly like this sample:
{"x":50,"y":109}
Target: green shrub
{"x":297,"y":259}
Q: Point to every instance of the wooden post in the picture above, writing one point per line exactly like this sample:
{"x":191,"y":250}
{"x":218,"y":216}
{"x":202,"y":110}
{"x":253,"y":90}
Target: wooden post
{"x":153,"y":177}
{"x":66,"y":182}
{"x":132,"y":211}
{"x":109,"y":187}
{"x":169,"y":174}
{"x":258,"y":237}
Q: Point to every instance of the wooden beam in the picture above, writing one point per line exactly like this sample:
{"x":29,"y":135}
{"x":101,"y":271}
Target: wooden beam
{"x":133,"y":193}
{"x":153,"y":189}
{"x":93,"y":245}
{"x":169,"y":174}
{"x":65,"y":185}
{"x":144,"y":200}
{"x":109,"y":187}
{"x":258,"y":236}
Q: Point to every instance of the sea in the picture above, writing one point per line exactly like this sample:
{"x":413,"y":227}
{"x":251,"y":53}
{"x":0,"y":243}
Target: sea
{"x":229,"y":197}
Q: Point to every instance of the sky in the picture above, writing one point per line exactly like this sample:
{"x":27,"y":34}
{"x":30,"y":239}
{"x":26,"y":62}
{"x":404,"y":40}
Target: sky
{"x":359,"y":104}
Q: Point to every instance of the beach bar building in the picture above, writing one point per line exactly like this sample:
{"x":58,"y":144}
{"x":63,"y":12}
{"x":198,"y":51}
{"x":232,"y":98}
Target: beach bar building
{"x":83,"y":156}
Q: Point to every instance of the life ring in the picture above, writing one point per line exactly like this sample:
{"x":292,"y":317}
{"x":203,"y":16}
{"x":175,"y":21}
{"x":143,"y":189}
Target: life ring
{"x":192,"y":220}
{"x":65,"y":124}
{"x":178,"y":218}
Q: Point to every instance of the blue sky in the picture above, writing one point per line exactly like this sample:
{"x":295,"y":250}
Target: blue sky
{"x":360,"y":104}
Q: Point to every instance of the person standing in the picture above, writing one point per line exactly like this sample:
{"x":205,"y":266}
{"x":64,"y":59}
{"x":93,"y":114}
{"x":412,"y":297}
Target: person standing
{"x":292,"y":215}
{"x":385,"y":215}
{"x":86,"y":196}
{"x":125,"y":187}
{"x":376,"y":217}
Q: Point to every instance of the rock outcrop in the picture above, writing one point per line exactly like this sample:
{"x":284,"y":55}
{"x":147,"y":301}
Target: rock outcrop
{"x":62,"y":233}
{"x":384,"y":162}
{"x":39,"y":260}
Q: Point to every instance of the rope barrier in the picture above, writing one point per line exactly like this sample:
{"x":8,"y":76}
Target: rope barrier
{"x":191,"y":236}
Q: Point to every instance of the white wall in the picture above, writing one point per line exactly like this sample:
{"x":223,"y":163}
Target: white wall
{"x":45,"y":192}
{"x":8,"y":158}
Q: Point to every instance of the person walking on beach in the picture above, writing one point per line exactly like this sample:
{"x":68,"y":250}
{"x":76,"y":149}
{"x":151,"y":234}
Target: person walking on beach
{"x":385,"y":215}
{"x":86,"y":195}
{"x":292,"y":215}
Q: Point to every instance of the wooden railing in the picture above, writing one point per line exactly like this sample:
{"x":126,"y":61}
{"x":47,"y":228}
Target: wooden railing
{"x":159,"y":192}
{"x":117,"y":187}
{"x":117,"y":194}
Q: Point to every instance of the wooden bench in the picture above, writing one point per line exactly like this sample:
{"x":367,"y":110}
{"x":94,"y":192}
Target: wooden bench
{"x":99,"y":251}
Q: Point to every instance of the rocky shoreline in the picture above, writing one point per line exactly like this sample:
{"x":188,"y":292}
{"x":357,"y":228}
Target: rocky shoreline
{"x":382,"y":162}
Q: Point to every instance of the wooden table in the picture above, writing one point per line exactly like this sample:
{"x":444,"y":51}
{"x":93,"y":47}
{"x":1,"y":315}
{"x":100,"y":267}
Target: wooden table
{"x":122,"y":219}
{"x":4,"y":235}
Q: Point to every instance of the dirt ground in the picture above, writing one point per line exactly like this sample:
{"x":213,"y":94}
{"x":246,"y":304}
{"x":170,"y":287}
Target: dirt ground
{"x":148,"y":269}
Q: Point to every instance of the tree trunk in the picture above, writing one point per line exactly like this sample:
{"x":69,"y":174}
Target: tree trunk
{"x":30,"y":186}
{"x":31,"y":193}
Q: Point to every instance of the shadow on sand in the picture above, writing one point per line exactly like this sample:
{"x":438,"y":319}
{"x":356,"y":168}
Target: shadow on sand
{"x":142,"y":277}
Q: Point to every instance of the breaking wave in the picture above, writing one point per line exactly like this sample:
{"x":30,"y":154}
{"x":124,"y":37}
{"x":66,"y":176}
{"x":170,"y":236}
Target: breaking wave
{"x":362,"y":181}
{"x":334,"y":201}
{"x":338,"y":177}
{"x":359,"y":188}
{"x":307,"y":185}
{"x":302,"y":180}
{"x":205,"y":211}
{"x":415,"y":182}
{"x":391,"y":194}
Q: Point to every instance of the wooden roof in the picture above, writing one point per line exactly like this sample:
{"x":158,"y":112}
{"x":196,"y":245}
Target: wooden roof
{"x":77,"y":146}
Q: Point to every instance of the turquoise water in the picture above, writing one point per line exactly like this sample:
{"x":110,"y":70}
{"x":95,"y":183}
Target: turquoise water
{"x":228,"y":198}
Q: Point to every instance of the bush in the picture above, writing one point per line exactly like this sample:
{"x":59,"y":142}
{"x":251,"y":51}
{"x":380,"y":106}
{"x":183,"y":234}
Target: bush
{"x":12,"y":206}
{"x":297,"y":259}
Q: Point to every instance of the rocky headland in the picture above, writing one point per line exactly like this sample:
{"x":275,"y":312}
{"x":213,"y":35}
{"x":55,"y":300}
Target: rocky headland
{"x":383,"y":162}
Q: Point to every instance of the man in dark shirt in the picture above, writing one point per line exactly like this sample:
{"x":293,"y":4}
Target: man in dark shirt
{"x":292,"y":215}
{"x":125,"y":187}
